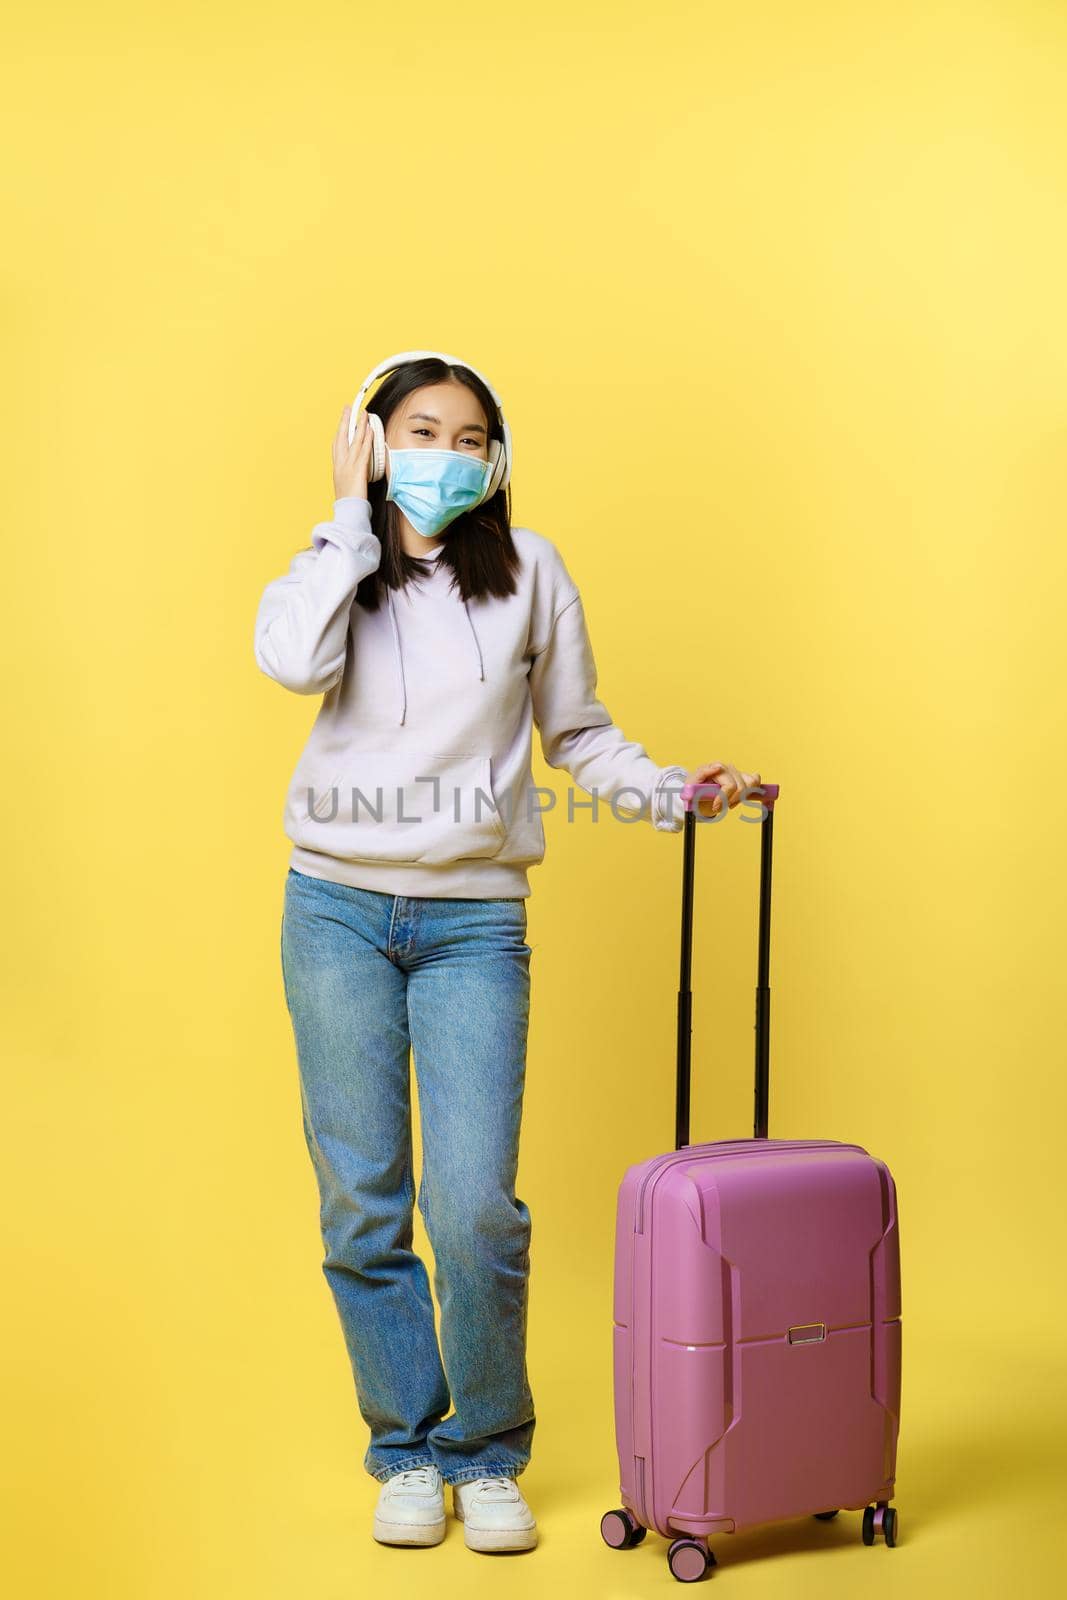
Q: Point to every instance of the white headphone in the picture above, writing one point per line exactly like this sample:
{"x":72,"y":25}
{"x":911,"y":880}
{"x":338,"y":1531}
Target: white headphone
{"x":499,"y":451}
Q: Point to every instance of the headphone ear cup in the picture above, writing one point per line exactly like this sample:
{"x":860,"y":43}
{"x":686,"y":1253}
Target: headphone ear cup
{"x":376,"y":464}
{"x":496,"y":456}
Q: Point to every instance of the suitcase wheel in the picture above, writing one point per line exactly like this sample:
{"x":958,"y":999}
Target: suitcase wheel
{"x":880,"y":1519}
{"x":620,"y":1531}
{"x":689,"y":1559}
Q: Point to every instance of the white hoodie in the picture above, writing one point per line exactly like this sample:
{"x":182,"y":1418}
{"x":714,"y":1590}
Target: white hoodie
{"x":416,"y":777}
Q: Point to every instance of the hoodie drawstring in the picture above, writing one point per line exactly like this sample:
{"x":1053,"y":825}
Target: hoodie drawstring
{"x":399,"y":658}
{"x":477,"y":646}
{"x":398,"y":652}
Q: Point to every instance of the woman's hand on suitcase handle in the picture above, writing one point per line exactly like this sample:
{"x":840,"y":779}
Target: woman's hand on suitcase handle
{"x":734,"y":783}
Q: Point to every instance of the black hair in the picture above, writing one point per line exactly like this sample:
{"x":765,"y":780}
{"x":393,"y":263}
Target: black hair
{"x":478,"y":545}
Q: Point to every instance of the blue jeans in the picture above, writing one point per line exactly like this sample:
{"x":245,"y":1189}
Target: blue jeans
{"x":368,"y":975}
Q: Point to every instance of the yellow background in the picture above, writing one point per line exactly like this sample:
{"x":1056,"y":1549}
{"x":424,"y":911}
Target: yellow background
{"x":774,"y":298}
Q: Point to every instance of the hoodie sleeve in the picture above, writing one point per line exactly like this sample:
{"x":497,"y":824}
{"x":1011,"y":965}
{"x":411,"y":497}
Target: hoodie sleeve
{"x":301,"y":632}
{"x":577,"y":732}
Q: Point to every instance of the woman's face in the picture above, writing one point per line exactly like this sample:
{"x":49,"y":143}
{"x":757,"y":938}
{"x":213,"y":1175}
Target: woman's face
{"x":439,"y":416}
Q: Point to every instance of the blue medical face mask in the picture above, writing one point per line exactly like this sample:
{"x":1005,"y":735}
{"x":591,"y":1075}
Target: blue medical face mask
{"x":434,"y":487}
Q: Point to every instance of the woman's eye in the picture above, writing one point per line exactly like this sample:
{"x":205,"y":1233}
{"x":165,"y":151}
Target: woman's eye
{"x":474,"y":442}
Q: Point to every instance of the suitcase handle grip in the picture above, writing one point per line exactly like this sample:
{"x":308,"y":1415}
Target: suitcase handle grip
{"x":766,"y":792}
{"x":769,"y":794}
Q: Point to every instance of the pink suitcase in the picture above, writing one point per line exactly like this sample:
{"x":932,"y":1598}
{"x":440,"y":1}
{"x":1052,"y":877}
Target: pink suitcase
{"x":756,"y":1338}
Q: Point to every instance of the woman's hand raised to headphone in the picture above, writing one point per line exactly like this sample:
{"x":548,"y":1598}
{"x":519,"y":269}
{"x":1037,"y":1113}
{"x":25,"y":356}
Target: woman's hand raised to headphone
{"x":351,"y":462}
{"x":736,"y":785}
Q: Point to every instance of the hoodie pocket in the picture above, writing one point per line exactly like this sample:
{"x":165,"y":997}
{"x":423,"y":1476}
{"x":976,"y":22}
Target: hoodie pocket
{"x":404,"y":806}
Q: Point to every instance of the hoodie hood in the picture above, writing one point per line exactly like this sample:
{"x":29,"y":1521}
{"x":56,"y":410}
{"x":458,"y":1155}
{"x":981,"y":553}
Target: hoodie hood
{"x":398,"y":649}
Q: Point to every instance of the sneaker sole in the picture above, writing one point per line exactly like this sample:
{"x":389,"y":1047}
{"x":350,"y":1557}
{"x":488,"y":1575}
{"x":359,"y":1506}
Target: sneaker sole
{"x":498,"y":1538}
{"x":409,"y":1532}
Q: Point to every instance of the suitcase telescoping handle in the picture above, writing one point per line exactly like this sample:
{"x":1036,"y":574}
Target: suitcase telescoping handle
{"x":766,"y":794}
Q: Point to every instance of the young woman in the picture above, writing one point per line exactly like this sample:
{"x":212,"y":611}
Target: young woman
{"x":438,"y":635}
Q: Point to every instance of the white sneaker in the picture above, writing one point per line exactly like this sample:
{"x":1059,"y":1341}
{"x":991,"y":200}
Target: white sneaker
{"x":494,"y":1515}
{"x":411,"y":1508}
